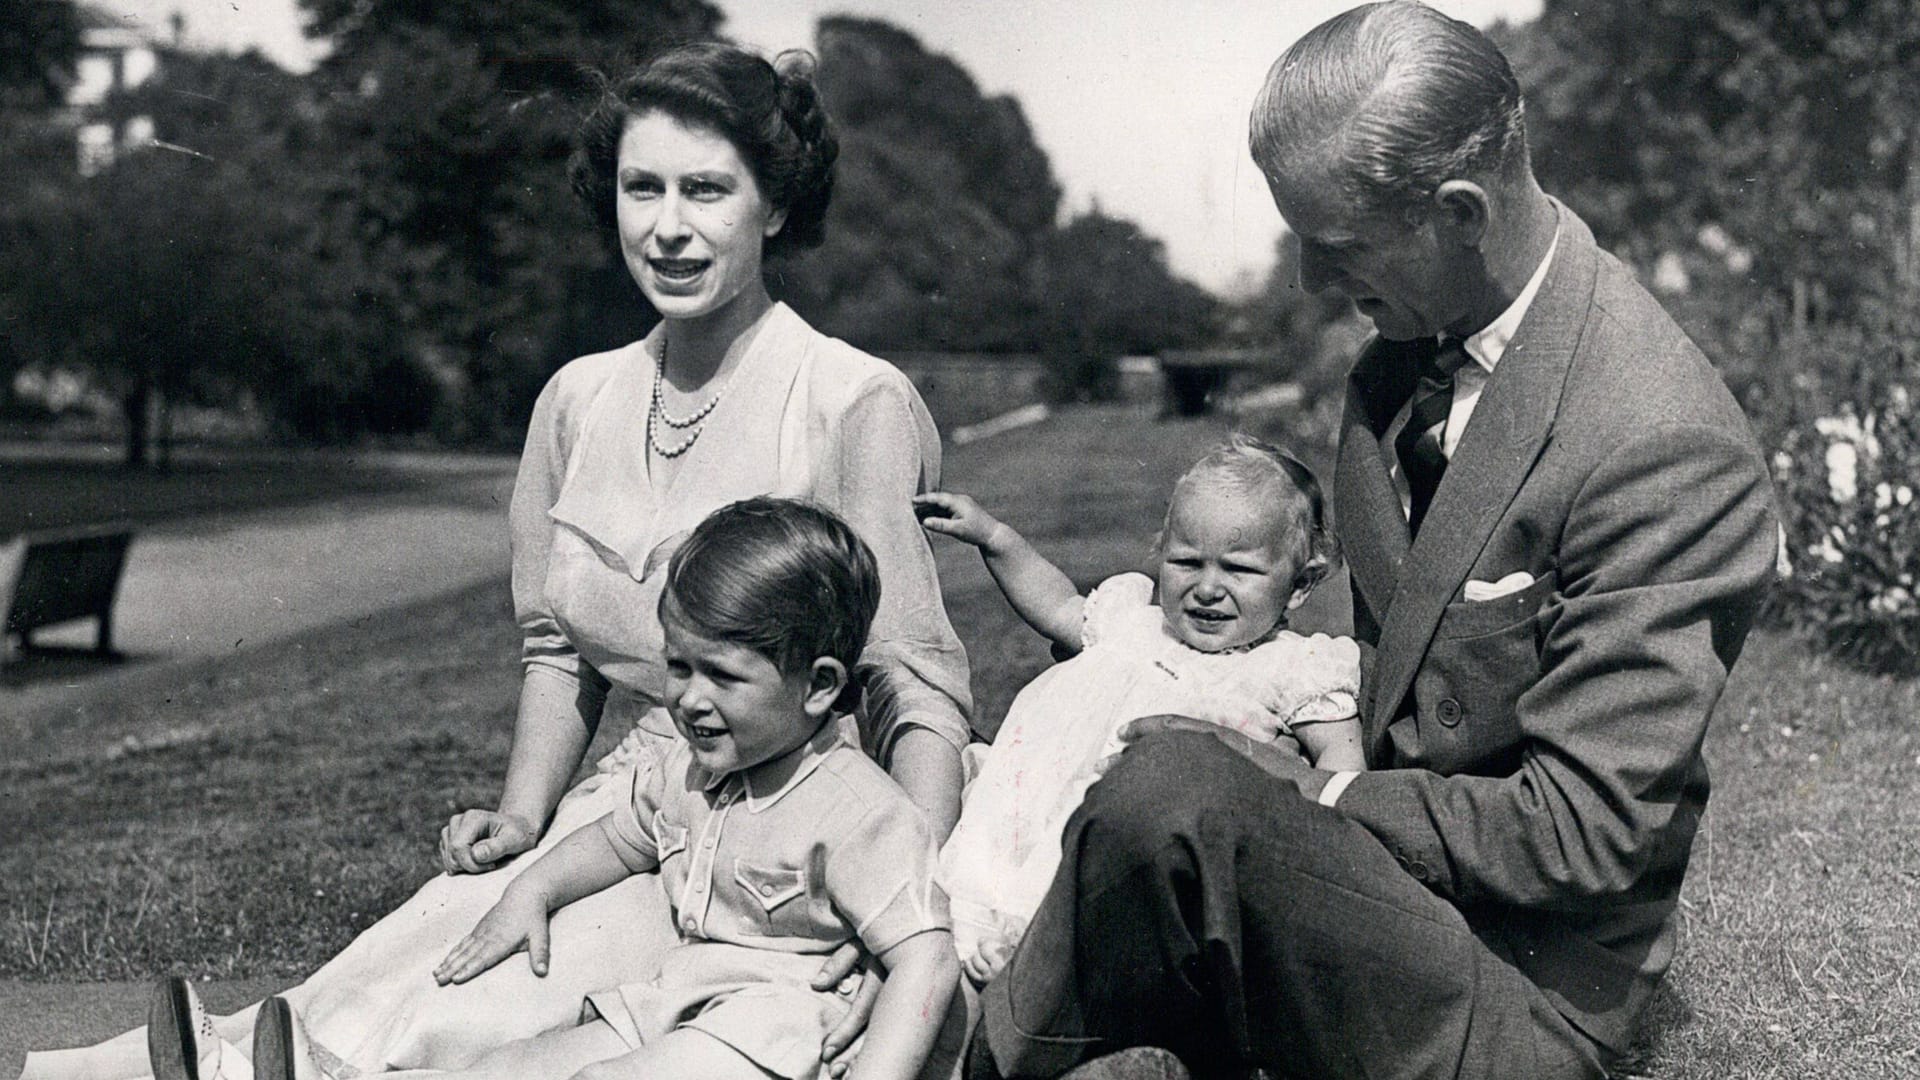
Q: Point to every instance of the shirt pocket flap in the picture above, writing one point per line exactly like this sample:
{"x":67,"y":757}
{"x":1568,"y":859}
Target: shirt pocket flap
{"x":669,"y":838}
{"x":770,"y":886}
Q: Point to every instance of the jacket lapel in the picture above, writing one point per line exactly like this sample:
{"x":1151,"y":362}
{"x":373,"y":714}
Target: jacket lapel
{"x":1370,"y":523}
{"x":1510,"y":426}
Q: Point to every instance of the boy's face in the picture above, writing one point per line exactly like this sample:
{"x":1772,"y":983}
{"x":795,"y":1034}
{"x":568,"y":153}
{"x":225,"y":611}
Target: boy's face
{"x":734,"y":707}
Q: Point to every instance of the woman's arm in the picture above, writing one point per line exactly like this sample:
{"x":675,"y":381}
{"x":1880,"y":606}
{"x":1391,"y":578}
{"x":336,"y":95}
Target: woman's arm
{"x":922,"y":973}
{"x":1043,"y":595}
{"x":914,"y":670}
{"x":560,"y":695}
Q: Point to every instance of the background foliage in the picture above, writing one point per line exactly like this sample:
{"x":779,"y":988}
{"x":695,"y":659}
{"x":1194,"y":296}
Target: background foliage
{"x":387,"y":245}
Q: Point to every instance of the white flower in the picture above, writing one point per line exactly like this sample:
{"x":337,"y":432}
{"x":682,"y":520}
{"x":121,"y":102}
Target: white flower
{"x":1882,"y":495}
{"x":1782,"y":462}
{"x":1903,"y":495}
{"x":1826,"y":550}
{"x":1842,"y":470}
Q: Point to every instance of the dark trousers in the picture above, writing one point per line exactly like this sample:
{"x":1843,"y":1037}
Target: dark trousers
{"x":1205,"y":907}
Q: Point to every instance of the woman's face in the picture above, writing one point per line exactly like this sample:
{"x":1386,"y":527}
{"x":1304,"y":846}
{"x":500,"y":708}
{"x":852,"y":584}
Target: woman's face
{"x":692,"y":219}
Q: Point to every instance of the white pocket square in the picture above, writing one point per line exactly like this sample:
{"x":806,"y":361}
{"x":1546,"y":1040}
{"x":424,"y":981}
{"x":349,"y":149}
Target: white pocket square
{"x":1494,"y":590}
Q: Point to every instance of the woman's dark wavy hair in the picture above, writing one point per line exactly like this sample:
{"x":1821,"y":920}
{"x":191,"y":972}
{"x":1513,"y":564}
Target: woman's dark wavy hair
{"x":770,"y":112}
{"x":783,"y":577}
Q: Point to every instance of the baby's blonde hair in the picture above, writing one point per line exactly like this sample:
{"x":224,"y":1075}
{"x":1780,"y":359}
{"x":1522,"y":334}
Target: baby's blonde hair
{"x":1250,"y":467}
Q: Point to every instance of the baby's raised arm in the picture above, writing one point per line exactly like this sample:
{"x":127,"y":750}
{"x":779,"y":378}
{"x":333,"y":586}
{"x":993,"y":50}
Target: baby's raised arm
{"x":1036,"y":588}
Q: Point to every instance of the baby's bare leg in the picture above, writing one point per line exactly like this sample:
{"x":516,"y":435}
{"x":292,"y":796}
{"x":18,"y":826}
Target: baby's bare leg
{"x":680,"y":1053}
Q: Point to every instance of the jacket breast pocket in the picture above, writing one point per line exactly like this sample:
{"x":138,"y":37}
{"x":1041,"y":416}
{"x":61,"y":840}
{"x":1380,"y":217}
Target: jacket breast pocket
{"x":779,"y":898}
{"x":1485,"y":654}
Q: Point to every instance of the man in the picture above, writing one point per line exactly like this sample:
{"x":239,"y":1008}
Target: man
{"x":1558,"y":526}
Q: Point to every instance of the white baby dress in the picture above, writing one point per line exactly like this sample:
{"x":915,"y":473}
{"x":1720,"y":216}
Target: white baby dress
{"x":1002,"y":855}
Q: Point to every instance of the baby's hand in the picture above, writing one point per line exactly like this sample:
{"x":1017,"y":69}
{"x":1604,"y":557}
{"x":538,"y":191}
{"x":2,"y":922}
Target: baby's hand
{"x":955,"y":515}
{"x":994,"y":950}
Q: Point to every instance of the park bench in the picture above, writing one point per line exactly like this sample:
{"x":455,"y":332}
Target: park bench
{"x":65,"y":576}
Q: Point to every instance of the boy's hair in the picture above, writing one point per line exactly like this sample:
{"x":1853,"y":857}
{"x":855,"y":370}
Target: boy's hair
{"x":1257,"y":469}
{"x":785,"y":578}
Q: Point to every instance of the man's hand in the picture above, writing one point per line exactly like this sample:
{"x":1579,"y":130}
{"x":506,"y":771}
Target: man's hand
{"x":519,"y":919}
{"x":475,"y":841}
{"x":847,"y":973}
{"x":1279,"y":758}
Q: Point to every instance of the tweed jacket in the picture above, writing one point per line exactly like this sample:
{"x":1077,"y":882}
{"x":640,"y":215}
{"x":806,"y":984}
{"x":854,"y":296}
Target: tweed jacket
{"x":1538,"y":755}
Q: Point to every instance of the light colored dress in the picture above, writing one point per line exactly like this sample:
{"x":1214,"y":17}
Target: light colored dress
{"x":764,"y":884}
{"x":1066,"y":722}
{"x":806,"y":415}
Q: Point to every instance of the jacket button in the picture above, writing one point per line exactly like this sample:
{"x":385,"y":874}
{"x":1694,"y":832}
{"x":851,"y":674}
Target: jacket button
{"x":766,"y":890}
{"x":1449,"y":712}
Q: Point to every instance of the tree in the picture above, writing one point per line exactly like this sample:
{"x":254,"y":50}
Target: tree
{"x":1769,"y":153}
{"x":1106,"y":290}
{"x":942,"y":200}
{"x":39,"y":41}
{"x":450,"y":126}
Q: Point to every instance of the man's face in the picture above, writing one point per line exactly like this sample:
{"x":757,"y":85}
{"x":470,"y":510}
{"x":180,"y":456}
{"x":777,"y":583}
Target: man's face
{"x":1393,"y":267}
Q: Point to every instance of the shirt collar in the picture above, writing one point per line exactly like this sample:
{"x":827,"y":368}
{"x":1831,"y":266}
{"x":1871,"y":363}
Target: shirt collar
{"x":812,"y":753}
{"x":1488,"y":345}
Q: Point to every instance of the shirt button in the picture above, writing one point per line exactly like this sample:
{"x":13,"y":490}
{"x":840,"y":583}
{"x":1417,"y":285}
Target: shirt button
{"x":766,"y":890}
{"x":690,"y":924}
{"x":1449,"y":712}
{"x":708,"y":844}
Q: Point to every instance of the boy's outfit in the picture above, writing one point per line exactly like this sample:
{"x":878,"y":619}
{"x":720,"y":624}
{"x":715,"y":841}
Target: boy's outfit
{"x":764,"y":883}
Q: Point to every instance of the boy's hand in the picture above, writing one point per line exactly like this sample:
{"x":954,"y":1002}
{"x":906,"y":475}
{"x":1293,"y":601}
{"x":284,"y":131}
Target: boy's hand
{"x":519,"y":919}
{"x":951,"y":514}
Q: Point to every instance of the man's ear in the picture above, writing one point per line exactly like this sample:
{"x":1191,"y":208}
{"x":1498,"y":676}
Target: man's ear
{"x":1461,"y":210}
{"x":825,"y":681}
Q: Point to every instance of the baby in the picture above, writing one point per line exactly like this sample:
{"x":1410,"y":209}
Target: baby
{"x":1244,"y":542}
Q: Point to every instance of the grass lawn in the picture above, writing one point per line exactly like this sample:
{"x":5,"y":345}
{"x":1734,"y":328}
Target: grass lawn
{"x":65,"y":490}
{"x":246,"y":817}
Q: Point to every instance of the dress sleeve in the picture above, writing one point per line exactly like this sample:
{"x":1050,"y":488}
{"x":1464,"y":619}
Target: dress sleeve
{"x":1317,"y":682}
{"x":545,"y":650}
{"x":1113,"y":607}
{"x":880,"y":876}
{"x":914,"y":669}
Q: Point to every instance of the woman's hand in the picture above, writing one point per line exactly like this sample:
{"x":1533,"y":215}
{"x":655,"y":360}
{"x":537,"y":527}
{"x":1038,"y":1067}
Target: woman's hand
{"x":952,"y":514}
{"x":847,"y":973}
{"x":475,"y":841}
{"x":519,"y":919}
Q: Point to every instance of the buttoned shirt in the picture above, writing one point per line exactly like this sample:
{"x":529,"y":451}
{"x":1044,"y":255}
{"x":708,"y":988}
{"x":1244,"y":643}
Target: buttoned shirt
{"x":836,"y":851}
{"x":1485,"y":348}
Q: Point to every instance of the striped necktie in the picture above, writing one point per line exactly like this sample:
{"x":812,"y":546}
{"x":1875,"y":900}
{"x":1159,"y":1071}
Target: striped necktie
{"x":1419,"y":443}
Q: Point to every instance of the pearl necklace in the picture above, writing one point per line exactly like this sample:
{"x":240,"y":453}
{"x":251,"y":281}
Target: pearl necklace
{"x":657,"y":413}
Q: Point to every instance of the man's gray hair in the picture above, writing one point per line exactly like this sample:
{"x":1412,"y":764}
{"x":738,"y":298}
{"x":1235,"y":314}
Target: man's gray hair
{"x":1395,"y":98}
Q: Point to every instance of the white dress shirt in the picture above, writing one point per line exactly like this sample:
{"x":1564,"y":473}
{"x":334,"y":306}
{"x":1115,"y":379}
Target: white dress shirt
{"x":1485,"y":349}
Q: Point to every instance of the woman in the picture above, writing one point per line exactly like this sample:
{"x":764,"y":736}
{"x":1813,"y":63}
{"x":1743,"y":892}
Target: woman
{"x":700,"y":164}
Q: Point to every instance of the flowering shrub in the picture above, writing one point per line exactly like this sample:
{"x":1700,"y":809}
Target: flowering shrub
{"x":1853,"y":531}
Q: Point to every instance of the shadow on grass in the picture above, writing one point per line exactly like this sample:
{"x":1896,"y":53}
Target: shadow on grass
{"x":38,"y":664}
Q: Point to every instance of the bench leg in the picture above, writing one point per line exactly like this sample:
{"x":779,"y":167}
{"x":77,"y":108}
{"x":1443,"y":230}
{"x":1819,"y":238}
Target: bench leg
{"x":104,"y":644}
